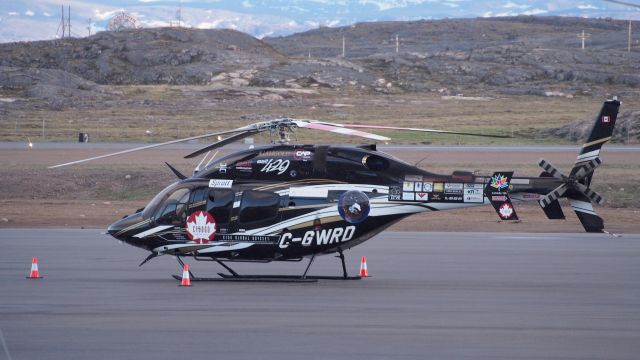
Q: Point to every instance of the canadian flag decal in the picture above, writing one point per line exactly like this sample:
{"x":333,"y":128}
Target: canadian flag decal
{"x":505,"y":211}
{"x":201,"y":227}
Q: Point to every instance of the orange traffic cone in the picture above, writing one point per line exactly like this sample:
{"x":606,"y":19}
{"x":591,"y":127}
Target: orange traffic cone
{"x":186,"y":280}
{"x":35,"y":274}
{"x":363,"y":267}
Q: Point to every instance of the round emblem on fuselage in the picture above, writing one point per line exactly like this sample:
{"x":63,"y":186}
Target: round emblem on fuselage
{"x":353,"y":206}
{"x":201,"y":227}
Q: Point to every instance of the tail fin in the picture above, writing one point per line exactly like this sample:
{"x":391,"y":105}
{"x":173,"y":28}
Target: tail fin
{"x":497,"y":191}
{"x":576,"y":185}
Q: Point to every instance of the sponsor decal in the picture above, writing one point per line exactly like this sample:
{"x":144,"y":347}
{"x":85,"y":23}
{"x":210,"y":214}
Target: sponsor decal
{"x":274,"y":153}
{"x":457,"y":192}
{"x":302,"y":155}
{"x":201,"y":227}
{"x":274,"y":165}
{"x":453,"y":186}
{"x":531,"y":196}
{"x":473,"y":186}
{"x":418,"y":186}
{"x":413,"y":177}
{"x":408,"y":186}
{"x":293,"y":173}
{"x":438,"y":187}
{"x":606,"y":119}
{"x":408,"y":196}
{"x":353,"y":206}
{"x":220,"y":183}
{"x":244,"y":166}
{"x":427,"y":187}
{"x":505,"y":211}
{"x":395,"y":193}
{"x":499,"y":198}
{"x":248,"y":238}
{"x":474,"y":198}
{"x":453,"y":198}
{"x":435,"y":197}
{"x":499,"y":182}
{"x":223,"y":168}
{"x":422,"y":196}
{"x":319,"y":237}
{"x":473,"y":191}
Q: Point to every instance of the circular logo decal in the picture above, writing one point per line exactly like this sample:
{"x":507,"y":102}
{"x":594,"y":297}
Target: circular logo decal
{"x":201,"y":227}
{"x":353,"y":206}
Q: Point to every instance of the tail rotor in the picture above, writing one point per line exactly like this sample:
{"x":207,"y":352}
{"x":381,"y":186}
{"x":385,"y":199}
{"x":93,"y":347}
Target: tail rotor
{"x":578,"y":182}
{"x":576,"y":186}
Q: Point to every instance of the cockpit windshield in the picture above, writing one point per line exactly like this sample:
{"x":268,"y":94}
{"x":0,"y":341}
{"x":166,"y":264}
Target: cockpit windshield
{"x":157,"y":200}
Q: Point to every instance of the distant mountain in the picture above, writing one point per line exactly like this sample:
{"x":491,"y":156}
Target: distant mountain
{"x":40,"y":19}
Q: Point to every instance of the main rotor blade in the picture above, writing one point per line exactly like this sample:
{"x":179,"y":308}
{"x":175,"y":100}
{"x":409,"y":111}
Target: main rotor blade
{"x":552,"y":170}
{"x":382,"y":127}
{"x":221,"y":143}
{"x":337,"y":128}
{"x":143,"y":148}
{"x":554,"y":195}
{"x":592,"y":195}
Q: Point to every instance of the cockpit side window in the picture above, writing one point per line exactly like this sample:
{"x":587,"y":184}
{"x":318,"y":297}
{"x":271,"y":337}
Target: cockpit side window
{"x":173,"y":209}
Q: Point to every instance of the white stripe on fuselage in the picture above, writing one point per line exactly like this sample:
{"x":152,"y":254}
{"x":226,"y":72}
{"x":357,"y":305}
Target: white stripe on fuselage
{"x":152,"y":231}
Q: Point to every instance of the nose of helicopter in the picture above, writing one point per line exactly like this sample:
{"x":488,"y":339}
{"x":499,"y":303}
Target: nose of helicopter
{"x":119,"y":228}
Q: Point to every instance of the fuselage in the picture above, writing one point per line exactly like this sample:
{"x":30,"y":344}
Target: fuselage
{"x":285,"y":202}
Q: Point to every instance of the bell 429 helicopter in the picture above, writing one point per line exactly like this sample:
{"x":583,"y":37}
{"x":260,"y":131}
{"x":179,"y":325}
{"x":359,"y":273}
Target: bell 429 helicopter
{"x":286,"y":202}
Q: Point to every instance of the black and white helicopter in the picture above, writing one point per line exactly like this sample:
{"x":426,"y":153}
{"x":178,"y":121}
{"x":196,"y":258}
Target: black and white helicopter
{"x":286,"y":202}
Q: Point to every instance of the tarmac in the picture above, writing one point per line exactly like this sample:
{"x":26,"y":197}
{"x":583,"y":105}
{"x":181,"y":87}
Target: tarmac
{"x":431,"y":296}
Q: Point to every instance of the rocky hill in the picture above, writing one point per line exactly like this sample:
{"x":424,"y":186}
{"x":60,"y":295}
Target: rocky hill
{"x":146,"y":56}
{"x":524,"y":54}
{"x":519,"y":55}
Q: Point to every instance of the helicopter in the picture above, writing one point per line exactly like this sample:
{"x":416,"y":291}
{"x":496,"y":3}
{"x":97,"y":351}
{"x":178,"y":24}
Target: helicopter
{"x":289,"y":202}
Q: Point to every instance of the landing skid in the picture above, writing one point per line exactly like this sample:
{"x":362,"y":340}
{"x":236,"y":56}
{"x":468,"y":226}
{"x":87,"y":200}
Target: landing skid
{"x":254,"y":278}
{"x":234,"y":276}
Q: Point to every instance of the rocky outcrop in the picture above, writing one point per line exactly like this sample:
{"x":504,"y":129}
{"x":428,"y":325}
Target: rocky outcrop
{"x":627,"y":129}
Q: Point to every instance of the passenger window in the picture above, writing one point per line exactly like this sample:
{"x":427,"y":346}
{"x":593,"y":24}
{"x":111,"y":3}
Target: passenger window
{"x":198,"y":199}
{"x":174,"y":208}
{"x":219,"y":205}
{"x":258,"y":207}
{"x":199,"y":195}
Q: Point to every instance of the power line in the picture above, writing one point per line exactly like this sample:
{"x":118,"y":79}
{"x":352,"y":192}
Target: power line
{"x":623,"y":3}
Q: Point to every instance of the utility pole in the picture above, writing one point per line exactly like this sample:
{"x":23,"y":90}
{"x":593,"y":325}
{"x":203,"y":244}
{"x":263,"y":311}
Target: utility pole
{"x":89,"y":26}
{"x":69,"y":21}
{"x":397,"y":44}
{"x":583,"y":36}
{"x":629,"y":38}
{"x":342,"y":45}
{"x":179,"y":14}
{"x":62,"y":21}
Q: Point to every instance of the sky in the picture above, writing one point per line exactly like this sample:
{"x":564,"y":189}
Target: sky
{"x":25,"y":20}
